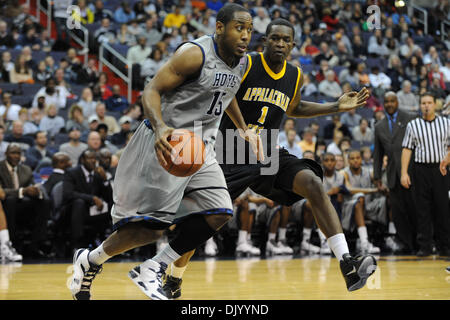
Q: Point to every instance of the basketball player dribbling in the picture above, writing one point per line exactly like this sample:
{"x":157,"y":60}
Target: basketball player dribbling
{"x":269,"y":75}
{"x":195,"y":85}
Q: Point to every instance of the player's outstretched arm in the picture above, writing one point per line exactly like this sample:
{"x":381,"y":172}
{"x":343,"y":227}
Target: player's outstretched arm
{"x":185,"y":63}
{"x":251,"y":136}
{"x":304,"y":109}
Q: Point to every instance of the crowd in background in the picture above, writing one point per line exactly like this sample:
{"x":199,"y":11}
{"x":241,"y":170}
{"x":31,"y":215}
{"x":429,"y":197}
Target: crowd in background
{"x":58,"y":132}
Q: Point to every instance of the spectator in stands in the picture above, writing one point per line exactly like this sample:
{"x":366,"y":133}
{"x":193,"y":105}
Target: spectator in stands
{"x":291,"y":146}
{"x":125,"y":37}
{"x":412,"y":70}
{"x":446,"y":70}
{"x":104,"y":167}
{"x":139,"y":52}
{"x":289,"y":123}
{"x":214,"y":5}
{"x":175,"y":19}
{"x":88,"y":74}
{"x":327,"y":54}
{"x":358,"y":47}
{"x":261,"y":21}
{"x":53,"y":94}
{"x":333,"y":147}
{"x":40,"y":153}
{"x":60,"y":16}
{"x":350,"y":119}
{"x":21,"y":73}
{"x":435,"y":73}
{"x":433,"y":56}
{"x":279,"y":5}
{"x":102,"y":129}
{"x":379,"y":81}
{"x":152,"y":63}
{"x":30,"y":38}
{"x":340,"y":162}
{"x":9,"y":111}
{"x":119,"y":138}
{"x":407,"y":101}
{"x":86,"y":197}
{"x":408,"y":48}
{"x":307,"y":143}
{"x":377,"y":47}
{"x":151,"y":33}
{"x":334,"y":125}
{"x":437,"y":90}
{"x":24,"y":201}
{"x":367,"y":158}
{"x":3,"y":144}
{"x":60,"y":163}
{"x":77,"y":119}
{"x":6,"y":66}
{"x":106,"y":32}
{"x":110,"y":121}
{"x":100,"y":12}
{"x":42,"y":74}
{"x":17,"y":136}
{"x":52,"y":123}
{"x":308,"y":87}
{"x":343,"y":54}
{"x":329,"y":87}
{"x":87,"y":102}
{"x":116,"y":102}
{"x":396,"y":72}
{"x":105,"y":88}
{"x":321,"y":35}
{"x":74,"y":147}
{"x":94,"y":140}
{"x":30,"y":120}
{"x":360,"y":204}
{"x":363,"y":133}
{"x":6,"y":39}
{"x":84,"y":14}
{"x":50,"y":63}
{"x":124,"y":13}
{"x":136,"y":115}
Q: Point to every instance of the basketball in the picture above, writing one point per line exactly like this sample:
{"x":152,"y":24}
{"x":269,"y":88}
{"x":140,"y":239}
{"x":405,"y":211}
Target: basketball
{"x":189,"y":153}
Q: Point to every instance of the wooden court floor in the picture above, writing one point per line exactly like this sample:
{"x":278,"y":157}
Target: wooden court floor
{"x":311,"y":278}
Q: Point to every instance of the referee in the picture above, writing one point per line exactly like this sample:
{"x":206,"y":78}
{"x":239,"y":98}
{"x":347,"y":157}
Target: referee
{"x":430,"y":137}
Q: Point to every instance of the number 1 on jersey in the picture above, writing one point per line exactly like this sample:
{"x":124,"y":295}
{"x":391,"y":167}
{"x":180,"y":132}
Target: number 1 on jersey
{"x":262,"y":119}
{"x":217,"y":100}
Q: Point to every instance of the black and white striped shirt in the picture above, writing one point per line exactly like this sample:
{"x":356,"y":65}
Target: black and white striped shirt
{"x":430,"y":139}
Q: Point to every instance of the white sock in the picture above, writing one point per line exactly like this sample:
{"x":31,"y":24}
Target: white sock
{"x":272,"y":236}
{"x":242,"y":236}
{"x":321,"y":236}
{"x":306,"y":234}
{"x":249,"y":237}
{"x":392,"y":229}
{"x":362,"y":232}
{"x":281,"y":234}
{"x":338,"y":245}
{"x":177,"y":272}
{"x":166,"y":255}
{"x":4,"y":236}
{"x":98,"y":256}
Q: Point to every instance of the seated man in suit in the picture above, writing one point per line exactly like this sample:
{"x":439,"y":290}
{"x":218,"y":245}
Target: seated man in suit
{"x":25,"y":203}
{"x":60,"y":163}
{"x":86,"y":196}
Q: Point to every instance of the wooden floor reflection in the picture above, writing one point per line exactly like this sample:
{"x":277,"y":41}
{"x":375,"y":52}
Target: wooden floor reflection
{"x":311,"y":278}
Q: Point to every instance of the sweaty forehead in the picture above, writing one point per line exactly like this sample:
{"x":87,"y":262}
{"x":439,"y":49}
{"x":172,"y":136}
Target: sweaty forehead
{"x":242,"y":17}
{"x":281,"y":30}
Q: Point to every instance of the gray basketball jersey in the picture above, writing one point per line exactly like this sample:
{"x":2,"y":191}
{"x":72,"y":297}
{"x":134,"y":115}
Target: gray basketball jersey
{"x":336,"y":180}
{"x":198,"y":104}
{"x":361,"y":181}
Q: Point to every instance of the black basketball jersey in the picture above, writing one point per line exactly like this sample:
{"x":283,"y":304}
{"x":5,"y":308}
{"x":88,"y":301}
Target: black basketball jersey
{"x":263,"y":98}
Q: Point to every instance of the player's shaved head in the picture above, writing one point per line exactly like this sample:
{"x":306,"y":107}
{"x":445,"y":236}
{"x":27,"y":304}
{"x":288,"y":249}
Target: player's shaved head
{"x":226,"y":13}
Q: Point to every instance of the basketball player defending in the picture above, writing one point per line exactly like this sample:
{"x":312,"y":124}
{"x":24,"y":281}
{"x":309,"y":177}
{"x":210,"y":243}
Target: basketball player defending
{"x":191,"y":90}
{"x":269,"y":89}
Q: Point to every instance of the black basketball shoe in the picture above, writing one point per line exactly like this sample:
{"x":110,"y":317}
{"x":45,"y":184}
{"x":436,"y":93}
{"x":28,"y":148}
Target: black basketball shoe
{"x":172,"y":287}
{"x":357,"y":269}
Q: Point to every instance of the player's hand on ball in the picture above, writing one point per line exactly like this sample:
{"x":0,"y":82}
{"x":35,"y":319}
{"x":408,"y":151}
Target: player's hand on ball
{"x":352,"y":100}
{"x":255,"y":142}
{"x":162,"y":145}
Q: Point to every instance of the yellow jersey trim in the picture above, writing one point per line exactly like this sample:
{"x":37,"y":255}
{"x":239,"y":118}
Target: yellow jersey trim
{"x":274,"y":76}
{"x":298,"y":81}
{"x":248,"y":68}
